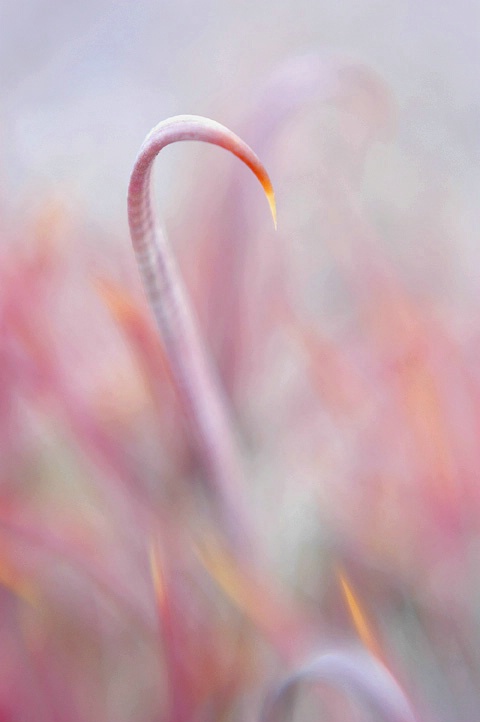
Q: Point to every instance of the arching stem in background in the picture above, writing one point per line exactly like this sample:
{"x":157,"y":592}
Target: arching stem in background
{"x":199,"y":391}
{"x":353,"y":671}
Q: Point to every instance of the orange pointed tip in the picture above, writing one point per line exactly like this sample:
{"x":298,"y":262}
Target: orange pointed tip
{"x":259,"y":170}
{"x":255,"y":165}
{"x":199,"y":128}
{"x":270,"y":193}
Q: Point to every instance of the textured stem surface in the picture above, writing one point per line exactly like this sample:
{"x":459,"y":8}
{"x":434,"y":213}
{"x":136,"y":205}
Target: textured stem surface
{"x":202,"y":398}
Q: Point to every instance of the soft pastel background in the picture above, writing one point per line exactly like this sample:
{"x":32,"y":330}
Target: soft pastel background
{"x":347,"y":344}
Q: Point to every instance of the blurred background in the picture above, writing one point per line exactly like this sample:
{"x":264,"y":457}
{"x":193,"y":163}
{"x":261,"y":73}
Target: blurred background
{"x":346,"y":344}
{"x":81,"y":81}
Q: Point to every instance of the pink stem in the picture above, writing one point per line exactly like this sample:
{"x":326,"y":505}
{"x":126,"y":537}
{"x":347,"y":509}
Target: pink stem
{"x":202,"y":398}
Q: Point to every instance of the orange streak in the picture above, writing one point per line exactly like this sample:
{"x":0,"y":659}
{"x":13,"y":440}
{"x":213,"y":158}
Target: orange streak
{"x":246,"y":593}
{"x":156,"y":572}
{"x":359,"y":618}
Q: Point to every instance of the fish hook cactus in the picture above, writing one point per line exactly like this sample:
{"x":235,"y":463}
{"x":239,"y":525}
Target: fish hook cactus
{"x":201,"y":396}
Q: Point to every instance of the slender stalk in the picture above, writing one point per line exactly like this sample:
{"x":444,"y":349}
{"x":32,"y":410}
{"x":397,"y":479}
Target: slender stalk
{"x":202,"y":398}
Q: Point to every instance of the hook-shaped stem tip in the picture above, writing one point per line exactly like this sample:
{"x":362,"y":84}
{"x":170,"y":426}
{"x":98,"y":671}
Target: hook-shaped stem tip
{"x":193,"y":127}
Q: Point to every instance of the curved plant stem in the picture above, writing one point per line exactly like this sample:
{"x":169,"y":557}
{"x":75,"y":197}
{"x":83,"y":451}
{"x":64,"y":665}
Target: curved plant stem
{"x":355,"y":672}
{"x":202,"y":398}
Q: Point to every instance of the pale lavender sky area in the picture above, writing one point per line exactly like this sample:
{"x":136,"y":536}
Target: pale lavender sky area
{"x":81,"y":82}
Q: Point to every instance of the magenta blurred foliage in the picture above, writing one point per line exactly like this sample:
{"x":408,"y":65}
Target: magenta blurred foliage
{"x":347,"y":343}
